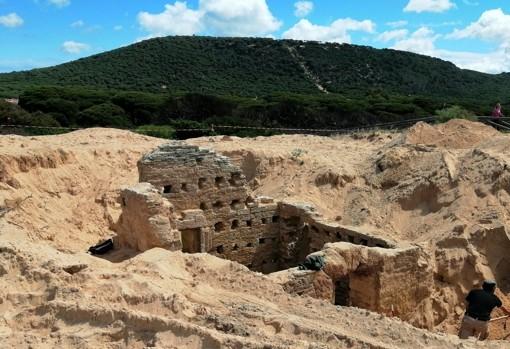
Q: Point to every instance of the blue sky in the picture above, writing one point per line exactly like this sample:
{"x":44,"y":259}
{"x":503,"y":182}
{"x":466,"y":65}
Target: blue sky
{"x":474,"y":34}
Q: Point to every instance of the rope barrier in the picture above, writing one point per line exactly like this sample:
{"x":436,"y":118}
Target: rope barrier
{"x":496,"y":125}
{"x":406,"y":121}
{"x":83,"y":128}
{"x":277,"y":128}
{"x":183,"y":130}
{"x":41,"y":127}
{"x":492,"y":118}
{"x":234,"y":127}
{"x":390,"y":124}
{"x":395,"y":124}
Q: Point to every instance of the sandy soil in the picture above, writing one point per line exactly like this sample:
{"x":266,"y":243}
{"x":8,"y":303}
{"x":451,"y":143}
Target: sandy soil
{"x":432,"y":186}
{"x":63,"y":189}
{"x":339,"y":175}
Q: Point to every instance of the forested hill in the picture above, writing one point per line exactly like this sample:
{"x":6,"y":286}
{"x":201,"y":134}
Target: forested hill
{"x":258,"y":67}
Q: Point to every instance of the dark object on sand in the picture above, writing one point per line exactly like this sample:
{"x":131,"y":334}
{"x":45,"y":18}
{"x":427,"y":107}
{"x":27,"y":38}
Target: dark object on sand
{"x":102,"y":248}
{"x":313,"y":263}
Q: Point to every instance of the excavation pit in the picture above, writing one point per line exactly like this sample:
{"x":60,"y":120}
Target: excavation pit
{"x":264,"y":235}
{"x":216,"y":214}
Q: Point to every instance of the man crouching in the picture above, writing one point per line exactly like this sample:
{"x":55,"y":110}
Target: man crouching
{"x":478,"y":313}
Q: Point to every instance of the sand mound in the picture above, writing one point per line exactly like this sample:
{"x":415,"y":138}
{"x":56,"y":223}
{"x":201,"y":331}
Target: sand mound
{"x":432,"y":183}
{"x":50,"y":299}
{"x":64,"y":188}
{"x":455,"y":134}
{"x":445,"y":188}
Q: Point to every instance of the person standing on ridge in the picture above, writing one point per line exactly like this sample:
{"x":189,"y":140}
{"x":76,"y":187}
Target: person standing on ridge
{"x":481,"y":302}
{"x":496,"y":112}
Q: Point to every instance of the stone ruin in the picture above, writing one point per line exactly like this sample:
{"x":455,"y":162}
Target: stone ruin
{"x":197,"y":201}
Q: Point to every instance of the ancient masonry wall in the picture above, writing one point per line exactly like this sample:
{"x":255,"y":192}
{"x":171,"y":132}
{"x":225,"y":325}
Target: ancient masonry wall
{"x":213,"y":210}
{"x":214,"y":213}
{"x":395,"y":282}
{"x":145,"y":210}
{"x":406,"y":281}
{"x":303,"y":231}
{"x":194,"y":200}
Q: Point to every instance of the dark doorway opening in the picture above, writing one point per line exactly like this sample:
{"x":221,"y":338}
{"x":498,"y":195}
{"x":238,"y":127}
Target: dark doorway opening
{"x":503,"y":275}
{"x":342,"y":292}
{"x":191,"y":240}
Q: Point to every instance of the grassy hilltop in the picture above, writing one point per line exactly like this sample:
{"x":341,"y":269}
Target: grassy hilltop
{"x":249,"y":80}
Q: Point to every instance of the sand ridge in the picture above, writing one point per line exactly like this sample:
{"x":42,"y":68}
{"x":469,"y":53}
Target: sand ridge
{"x":58,"y":195}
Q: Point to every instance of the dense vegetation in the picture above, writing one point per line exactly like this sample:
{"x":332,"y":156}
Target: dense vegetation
{"x":258,"y":67}
{"x":79,"y":107}
{"x":352,"y":70}
{"x":164,"y":84}
{"x":246,"y":67}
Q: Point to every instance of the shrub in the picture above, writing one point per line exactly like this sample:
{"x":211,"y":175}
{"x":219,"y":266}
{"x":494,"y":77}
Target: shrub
{"x":105,"y":114}
{"x":46,"y":125}
{"x":44,"y":120}
{"x":12,"y":114}
{"x":189,"y":125}
{"x":164,"y":131}
{"x":296,"y":154}
{"x":142,"y":108}
{"x":454,"y":112}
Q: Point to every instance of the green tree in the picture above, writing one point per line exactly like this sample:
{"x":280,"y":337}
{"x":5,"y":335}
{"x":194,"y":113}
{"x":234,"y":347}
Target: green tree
{"x":105,"y":115}
{"x":454,"y":112}
{"x":164,"y":131}
{"x":142,"y":108}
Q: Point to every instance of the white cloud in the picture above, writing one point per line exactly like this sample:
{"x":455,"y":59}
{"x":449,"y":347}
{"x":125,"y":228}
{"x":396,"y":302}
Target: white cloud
{"x":60,"y":3}
{"x":303,"y":8}
{"x":238,"y":18}
{"x":442,"y":24}
{"x":397,"y":24}
{"x":118,"y":28}
{"x":74,"y":47}
{"x":338,"y":31}
{"x":429,"y":6}
{"x":493,"y":25}
{"x":78,"y":24}
{"x":177,"y":19}
{"x":397,"y":34}
{"x":217,"y":17}
{"x":492,"y":62}
{"x":11,"y":20}
{"x":423,"y":41}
